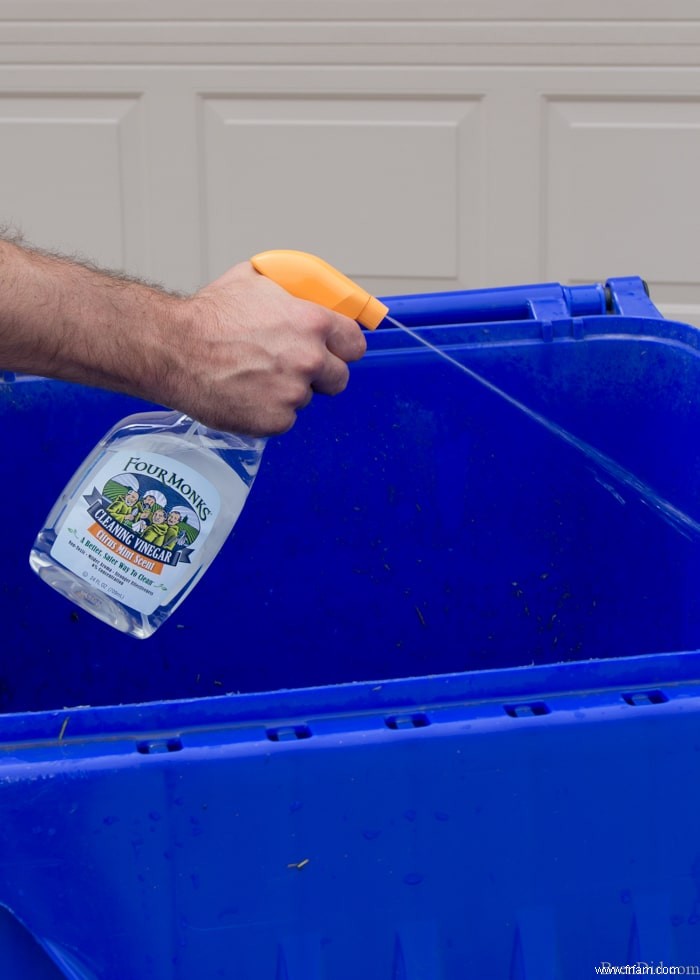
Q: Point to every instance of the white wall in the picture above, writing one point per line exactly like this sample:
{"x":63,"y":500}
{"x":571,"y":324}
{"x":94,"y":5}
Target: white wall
{"x":417,"y":145}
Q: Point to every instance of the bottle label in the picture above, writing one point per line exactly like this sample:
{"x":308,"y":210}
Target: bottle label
{"x":137,"y":528}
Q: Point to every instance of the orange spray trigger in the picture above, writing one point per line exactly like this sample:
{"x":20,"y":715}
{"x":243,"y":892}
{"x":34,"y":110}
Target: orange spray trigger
{"x":308,"y":277}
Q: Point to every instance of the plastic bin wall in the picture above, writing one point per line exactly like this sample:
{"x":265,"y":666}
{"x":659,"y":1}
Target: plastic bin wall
{"x":432,"y":713}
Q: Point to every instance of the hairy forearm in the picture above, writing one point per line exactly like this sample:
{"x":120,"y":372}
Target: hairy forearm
{"x":70,"y":321}
{"x":240,"y":354}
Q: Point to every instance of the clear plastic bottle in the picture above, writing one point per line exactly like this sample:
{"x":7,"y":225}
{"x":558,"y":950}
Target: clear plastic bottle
{"x":147,"y":512}
{"x":144,"y":516}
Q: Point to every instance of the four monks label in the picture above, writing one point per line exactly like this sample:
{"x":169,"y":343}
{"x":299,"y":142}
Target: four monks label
{"x":148,"y":510}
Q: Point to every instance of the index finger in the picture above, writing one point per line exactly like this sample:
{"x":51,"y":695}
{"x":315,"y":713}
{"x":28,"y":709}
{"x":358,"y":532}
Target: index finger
{"x":346,"y":339}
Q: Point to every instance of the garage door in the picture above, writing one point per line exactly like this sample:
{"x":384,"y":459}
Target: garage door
{"x":416,"y":145}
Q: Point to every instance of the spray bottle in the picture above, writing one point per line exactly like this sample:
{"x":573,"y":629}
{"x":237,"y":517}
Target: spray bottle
{"x":147,"y":512}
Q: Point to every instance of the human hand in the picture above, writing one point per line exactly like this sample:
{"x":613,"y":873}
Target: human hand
{"x":253,"y":355}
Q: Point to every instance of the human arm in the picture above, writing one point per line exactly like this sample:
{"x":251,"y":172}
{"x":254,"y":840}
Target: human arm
{"x":241,"y":354}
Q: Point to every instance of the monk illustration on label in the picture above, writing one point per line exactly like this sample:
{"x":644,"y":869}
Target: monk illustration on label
{"x":125,"y":508}
{"x":144,"y":509}
{"x":159,"y":517}
{"x":172,"y":534}
{"x":156,"y":531}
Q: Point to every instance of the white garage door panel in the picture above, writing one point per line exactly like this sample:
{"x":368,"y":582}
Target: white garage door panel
{"x":382,"y":187}
{"x":622,"y":188}
{"x":71,"y":173}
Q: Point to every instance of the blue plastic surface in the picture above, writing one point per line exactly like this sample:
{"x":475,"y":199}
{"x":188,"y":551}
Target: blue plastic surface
{"x":434,"y":711}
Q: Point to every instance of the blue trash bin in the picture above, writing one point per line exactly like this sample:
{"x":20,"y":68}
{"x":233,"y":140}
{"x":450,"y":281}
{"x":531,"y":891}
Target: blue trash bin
{"x":432,"y":713}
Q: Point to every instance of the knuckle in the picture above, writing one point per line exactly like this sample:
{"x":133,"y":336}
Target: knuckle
{"x":360,"y":345}
{"x":297,"y":395}
{"x":342,"y":380}
{"x":315,"y":361}
{"x":283,"y":424}
{"x":318,"y":319}
{"x":349,"y":342}
{"x":306,"y":364}
{"x":337,"y":380}
{"x":278,"y":419}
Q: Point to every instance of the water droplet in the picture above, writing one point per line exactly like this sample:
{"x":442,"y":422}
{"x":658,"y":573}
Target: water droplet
{"x":413,"y":878}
